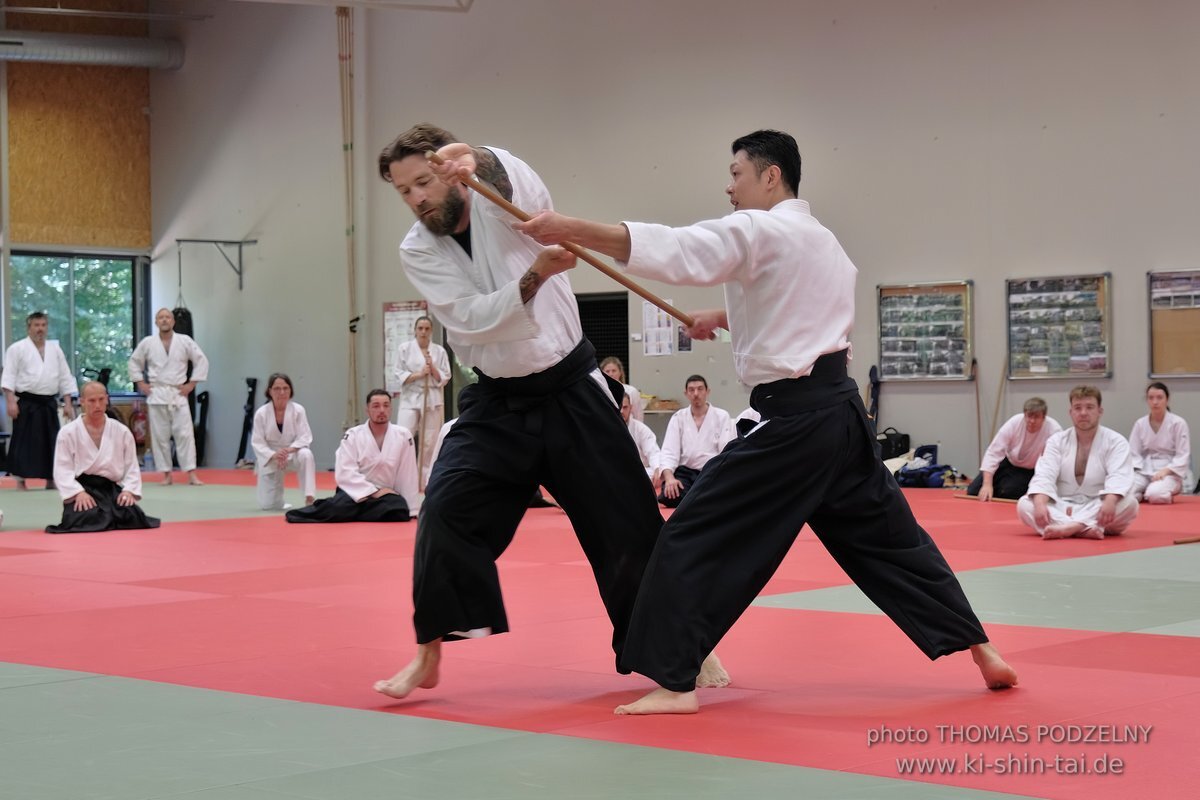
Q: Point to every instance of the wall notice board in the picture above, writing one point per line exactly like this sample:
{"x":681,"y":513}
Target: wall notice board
{"x":925,"y":331}
{"x":1059,"y":327}
{"x":1174,"y":323}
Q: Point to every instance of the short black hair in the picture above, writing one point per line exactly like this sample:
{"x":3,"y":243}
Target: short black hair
{"x":766,"y":147}
{"x":375,"y":392}
{"x":693,"y":379}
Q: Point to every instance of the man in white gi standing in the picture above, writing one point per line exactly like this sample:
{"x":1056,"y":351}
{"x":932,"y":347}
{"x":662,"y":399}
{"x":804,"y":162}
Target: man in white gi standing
{"x":1083,"y":484}
{"x":789,"y":296}
{"x":158,"y":368}
{"x":96,"y":470}
{"x":694,"y":435}
{"x":375,"y":469}
{"x":35,"y":373}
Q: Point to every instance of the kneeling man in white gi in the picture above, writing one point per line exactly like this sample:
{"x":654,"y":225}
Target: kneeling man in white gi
{"x":96,"y":471}
{"x":376,"y":472}
{"x":1083,"y":483}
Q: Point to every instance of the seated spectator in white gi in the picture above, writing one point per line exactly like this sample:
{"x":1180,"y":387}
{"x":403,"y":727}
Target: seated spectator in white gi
{"x":647,"y":445}
{"x":1010,"y":459}
{"x":1161,"y":450}
{"x":281,"y":442}
{"x":96,"y":471}
{"x":376,"y":472}
{"x":694,"y":435}
{"x":613,"y":368}
{"x":1083,"y":484}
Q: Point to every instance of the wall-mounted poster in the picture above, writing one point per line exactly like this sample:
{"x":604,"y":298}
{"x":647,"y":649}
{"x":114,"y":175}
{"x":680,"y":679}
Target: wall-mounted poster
{"x":1174,"y":323}
{"x":1059,"y":327}
{"x":925,"y":331}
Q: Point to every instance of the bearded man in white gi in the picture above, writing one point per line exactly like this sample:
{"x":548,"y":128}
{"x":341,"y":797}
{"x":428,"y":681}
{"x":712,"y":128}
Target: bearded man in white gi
{"x":158,"y":368}
{"x":789,"y":296}
{"x":375,"y":470}
{"x":1010,"y":459}
{"x":35,"y":373}
{"x":96,"y":470}
{"x":541,"y":414}
{"x":694,"y":435}
{"x":1083,"y":484}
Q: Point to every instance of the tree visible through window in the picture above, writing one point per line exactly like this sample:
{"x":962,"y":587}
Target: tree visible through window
{"x":90,"y":300}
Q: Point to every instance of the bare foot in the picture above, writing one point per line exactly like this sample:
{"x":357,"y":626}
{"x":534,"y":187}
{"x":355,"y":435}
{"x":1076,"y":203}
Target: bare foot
{"x":194,"y":479}
{"x":309,"y":499}
{"x":1062,"y":530}
{"x":662,"y":701}
{"x":167,"y":479}
{"x":421,"y":673}
{"x":997,"y":674}
{"x":712,"y":674}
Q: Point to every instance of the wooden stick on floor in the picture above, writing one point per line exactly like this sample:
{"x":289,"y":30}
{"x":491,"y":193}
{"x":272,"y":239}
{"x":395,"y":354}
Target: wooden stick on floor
{"x":1188,"y":540}
{"x":962,"y":496}
{"x":579,"y":252}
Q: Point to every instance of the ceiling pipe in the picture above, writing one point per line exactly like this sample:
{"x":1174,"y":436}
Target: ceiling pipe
{"x":111,"y":51}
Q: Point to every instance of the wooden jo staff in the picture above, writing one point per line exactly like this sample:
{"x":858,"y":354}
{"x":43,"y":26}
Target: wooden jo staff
{"x":579,"y":252}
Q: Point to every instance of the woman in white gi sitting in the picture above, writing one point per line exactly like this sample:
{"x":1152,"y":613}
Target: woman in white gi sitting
{"x":281,"y":442}
{"x":1160,"y":447}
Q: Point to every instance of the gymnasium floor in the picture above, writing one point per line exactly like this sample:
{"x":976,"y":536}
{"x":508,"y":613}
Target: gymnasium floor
{"x":229,"y":656}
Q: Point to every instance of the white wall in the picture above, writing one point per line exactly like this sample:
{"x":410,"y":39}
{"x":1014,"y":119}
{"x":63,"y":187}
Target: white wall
{"x":957,"y":140}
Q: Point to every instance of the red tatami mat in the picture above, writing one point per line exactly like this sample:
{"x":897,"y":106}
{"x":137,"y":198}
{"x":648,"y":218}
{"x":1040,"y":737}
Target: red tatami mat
{"x":316,"y":613}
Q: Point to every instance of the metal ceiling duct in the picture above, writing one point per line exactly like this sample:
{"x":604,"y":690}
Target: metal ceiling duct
{"x":111,"y":51}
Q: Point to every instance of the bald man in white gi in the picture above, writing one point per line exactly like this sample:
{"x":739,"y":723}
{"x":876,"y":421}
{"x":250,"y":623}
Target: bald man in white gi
{"x":158,"y":368}
{"x":96,"y":471}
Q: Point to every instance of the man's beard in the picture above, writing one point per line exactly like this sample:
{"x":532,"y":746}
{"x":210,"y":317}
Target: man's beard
{"x":445,"y":221}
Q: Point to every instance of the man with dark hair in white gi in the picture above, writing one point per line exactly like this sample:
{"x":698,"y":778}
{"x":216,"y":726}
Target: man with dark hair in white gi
{"x":789,"y":296}
{"x":540,"y":403}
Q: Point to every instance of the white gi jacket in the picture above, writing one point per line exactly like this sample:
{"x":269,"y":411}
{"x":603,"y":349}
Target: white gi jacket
{"x":27,"y":370}
{"x":1170,"y":447}
{"x":76,"y":454}
{"x":409,"y":359}
{"x":362,"y":468}
{"x":1109,"y":471}
{"x":647,"y":446}
{"x":477,"y":298}
{"x":785,"y":309}
{"x":686,"y":445}
{"x":267,"y":439}
{"x":1017,"y":444}
{"x":167,"y":371}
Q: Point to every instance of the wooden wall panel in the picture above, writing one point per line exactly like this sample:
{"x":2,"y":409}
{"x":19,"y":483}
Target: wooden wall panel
{"x":79,"y":142}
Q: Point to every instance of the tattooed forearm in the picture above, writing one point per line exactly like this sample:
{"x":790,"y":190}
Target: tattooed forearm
{"x":529,"y":284}
{"x":489,"y":170}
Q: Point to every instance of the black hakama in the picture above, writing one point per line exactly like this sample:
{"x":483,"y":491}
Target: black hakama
{"x":1009,"y":482}
{"x":31,"y":448}
{"x":342,"y":508}
{"x":557,"y":428}
{"x":107,"y":515}
{"x":814,"y":461}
